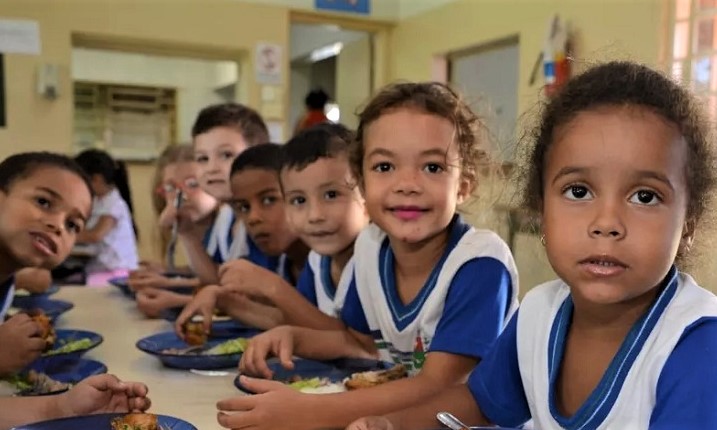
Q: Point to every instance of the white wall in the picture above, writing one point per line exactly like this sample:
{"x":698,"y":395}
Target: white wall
{"x":194,"y":80}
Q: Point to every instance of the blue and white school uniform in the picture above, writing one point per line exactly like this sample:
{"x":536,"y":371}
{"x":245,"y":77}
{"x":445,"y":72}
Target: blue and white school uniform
{"x":118,"y":248}
{"x":663,"y":376}
{"x":461,"y":309}
{"x":316,"y":285}
{"x":7,"y":293}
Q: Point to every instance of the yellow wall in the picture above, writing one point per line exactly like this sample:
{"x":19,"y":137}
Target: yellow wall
{"x":226,"y":27}
{"x":607,"y":29}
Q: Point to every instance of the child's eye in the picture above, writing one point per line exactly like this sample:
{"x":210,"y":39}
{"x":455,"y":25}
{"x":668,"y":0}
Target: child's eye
{"x":241,"y":207}
{"x":227,"y":155}
{"x":43,"y":202}
{"x":433,"y":168}
{"x":268,"y":200}
{"x":331,"y":194}
{"x":645,"y":197}
{"x":577,"y":192}
{"x":201,"y":158}
{"x":297,"y":201}
{"x":382,"y":167}
{"x":73,"y":226}
{"x":191,"y":183}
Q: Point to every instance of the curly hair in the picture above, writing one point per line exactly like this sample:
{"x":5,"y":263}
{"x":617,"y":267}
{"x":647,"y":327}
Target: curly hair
{"x":433,"y":98}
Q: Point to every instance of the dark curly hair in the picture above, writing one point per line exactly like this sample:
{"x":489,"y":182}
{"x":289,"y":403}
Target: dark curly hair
{"x":624,"y":83}
{"x":432,"y":98}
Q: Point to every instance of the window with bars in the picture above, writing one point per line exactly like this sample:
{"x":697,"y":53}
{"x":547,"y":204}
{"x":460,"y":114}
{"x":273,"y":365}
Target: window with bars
{"x":694,"y":49}
{"x":131,"y":122}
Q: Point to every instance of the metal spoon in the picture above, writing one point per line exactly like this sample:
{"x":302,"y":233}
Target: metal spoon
{"x":173,"y":239}
{"x":450,"y":421}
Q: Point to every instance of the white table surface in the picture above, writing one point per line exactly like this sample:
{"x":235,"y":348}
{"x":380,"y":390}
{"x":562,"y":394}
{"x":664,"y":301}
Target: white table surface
{"x":174,"y":392}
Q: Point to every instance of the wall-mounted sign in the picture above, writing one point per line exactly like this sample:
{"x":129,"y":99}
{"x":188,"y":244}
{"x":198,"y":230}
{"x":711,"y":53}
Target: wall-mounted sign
{"x":268,"y":63}
{"x":354,"y":6}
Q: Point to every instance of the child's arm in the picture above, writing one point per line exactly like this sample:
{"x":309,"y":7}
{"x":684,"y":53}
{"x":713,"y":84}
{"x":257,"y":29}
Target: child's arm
{"x":151,"y":301}
{"x":686,"y":394}
{"x":201,"y":263}
{"x":105,"y":224}
{"x":96,"y":394}
{"x":241,"y":308}
{"x":247,"y":278}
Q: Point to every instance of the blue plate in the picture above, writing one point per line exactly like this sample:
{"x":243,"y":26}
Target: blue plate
{"x":335,"y":370}
{"x":157,"y":343}
{"x":51,"y":308}
{"x":123,"y":284}
{"x":101,"y":421}
{"x":50,"y":291}
{"x":72,"y":372}
{"x":51,"y":362}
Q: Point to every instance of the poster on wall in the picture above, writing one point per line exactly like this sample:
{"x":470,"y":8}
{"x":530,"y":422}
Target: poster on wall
{"x":268,"y":63}
{"x":3,"y":122}
{"x":355,"y":6}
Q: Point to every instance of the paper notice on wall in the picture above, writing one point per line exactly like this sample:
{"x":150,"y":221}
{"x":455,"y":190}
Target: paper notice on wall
{"x":19,"y":36}
{"x":268,"y":63}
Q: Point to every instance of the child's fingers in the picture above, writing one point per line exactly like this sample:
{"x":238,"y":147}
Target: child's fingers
{"x":286,"y":351}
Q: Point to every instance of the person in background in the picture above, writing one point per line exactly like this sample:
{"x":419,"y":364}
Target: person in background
{"x":178,"y":171}
{"x":430,"y":292}
{"x":111,"y":227}
{"x":622,"y":172}
{"x":45,"y":201}
{"x":315,"y":103}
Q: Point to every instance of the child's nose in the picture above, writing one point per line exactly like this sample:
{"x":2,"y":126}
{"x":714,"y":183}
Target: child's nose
{"x":407,"y":181}
{"x":608,"y":221}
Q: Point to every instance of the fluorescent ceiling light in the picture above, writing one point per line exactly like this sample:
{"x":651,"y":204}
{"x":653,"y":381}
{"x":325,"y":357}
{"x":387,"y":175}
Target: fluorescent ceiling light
{"x":325,"y":52}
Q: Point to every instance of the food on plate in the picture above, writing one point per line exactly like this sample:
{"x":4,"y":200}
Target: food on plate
{"x":136,"y":422}
{"x":315,"y":385}
{"x":194,"y":333}
{"x":372,"y":378}
{"x":231,"y":346}
{"x":31,"y":383}
{"x":71,"y":346}
{"x":47,"y":332}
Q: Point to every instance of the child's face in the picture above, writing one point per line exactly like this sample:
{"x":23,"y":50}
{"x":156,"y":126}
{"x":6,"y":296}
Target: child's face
{"x":412,"y":174}
{"x":257,"y":201}
{"x":214,"y":152}
{"x":615,"y":200}
{"x":196,"y":203}
{"x":40,"y":217}
{"x":323,"y":205}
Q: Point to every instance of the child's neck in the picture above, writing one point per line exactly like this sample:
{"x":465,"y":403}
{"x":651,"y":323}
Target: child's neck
{"x":297,"y":253}
{"x":414,"y":262}
{"x":612,"y":319}
{"x":339,"y":262}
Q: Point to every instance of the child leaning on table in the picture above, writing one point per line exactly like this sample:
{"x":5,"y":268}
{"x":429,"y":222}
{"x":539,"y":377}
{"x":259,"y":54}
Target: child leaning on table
{"x":622,"y":172}
{"x":45,"y":201}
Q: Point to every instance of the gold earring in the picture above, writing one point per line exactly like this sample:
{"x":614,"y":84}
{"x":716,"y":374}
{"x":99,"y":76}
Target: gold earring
{"x":542,"y":239}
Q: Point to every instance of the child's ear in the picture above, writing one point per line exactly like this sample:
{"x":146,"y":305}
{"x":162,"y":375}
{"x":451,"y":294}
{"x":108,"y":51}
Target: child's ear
{"x":465,"y":188}
{"x":688,"y":236}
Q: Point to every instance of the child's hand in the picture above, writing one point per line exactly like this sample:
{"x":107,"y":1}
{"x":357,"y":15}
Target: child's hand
{"x":103,"y":393}
{"x":275,"y":406}
{"x":278,"y":342}
{"x":152,"y":301}
{"x":20,"y":343}
{"x":247,"y":278}
{"x":147,"y":268}
{"x":148,"y":280}
{"x":371,"y":423}
{"x":202,"y":304}
{"x":33,"y":279}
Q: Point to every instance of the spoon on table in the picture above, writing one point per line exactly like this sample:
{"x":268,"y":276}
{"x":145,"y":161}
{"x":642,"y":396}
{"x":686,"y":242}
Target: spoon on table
{"x":450,"y":421}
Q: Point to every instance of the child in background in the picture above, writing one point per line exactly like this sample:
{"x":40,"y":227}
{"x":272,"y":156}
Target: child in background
{"x":45,"y":200}
{"x":197,"y":216}
{"x":430,"y":292}
{"x":220,"y":133}
{"x":323,"y":205}
{"x":111,"y":227}
{"x":622,"y":172}
{"x":259,"y":205}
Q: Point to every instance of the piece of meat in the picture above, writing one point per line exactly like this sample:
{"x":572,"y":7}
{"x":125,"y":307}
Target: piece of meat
{"x":136,"y":422}
{"x":375,"y":377}
{"x":47,"y":331}
{"x":194,"y":333}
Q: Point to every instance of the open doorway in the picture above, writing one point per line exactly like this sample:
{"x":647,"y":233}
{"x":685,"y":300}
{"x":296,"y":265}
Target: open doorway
{"x":335,"y":59}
